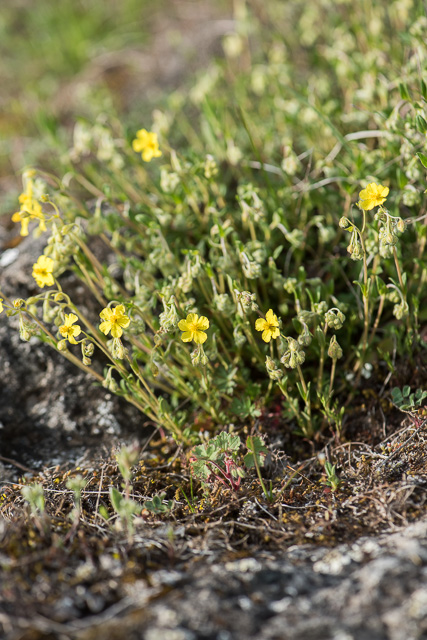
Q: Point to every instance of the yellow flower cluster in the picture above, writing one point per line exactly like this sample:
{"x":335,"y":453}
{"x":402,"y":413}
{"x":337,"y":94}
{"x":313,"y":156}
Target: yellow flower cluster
{"x":30,"y":208}
{"x":147,"y":144}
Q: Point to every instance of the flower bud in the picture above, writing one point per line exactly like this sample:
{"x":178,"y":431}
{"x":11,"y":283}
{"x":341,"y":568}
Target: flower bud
{"x":169,"y":317}
{"x":196,"y":356}
{"x":290,"y":285}
{"x":401,"y":225}
{"x":251,"y":269}
{"x":346,"y":224}
{"x":320,"y":308}
{"x":274,"y":373}
{"x":294,"y":356}
{"x":334,"y":351}
{"x":18,"y":303}
{"x":88,"y":348}
{"x":357,"y":253}
{"x":305,"y":338}
{"x":239,"y":336}
{"x":334,"y":319}
{"x":224,"y":303}
{"x":247,"y":301}
{"x":109,"y":382}
{"x":401,"y":310}
{"x":62,"y":345}
{"x":117,"y":349}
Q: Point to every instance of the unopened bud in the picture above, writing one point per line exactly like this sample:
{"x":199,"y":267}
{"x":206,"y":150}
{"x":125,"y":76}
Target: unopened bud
{"x":88,"y":348}
{"x":334,"y":351}
{"x":274,"y":373}
{"x":117,"y":349}
{"x":334,"y":319}
{"x":401,"y":225}
{"x":346,"y":224}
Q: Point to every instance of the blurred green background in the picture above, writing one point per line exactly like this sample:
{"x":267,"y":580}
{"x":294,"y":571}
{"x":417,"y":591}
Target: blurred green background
{"x":69,"y":58}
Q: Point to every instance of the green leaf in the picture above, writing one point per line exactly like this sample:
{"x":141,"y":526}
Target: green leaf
{"x":363,"y":288}
{"x":103,"y":512}
{"x":320,"y":336}
{"x":226,"y":442}
{"x":381,"y":286}
{"x":244,"y":408}
{"x":256,"y":451}
{"x":116,"y":499}
{"x":422,"y":158}
{"x":421,"y":124}
{"x":156,"y":504}
{"x":404,"y":93}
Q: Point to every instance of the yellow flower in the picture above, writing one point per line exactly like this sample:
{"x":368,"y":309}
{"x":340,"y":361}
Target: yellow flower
{"x":42,"y":272}
{"x":115,"y":321}
{"x":1,"y":305}
{"x":269,"y":326}
{"x":147,"y":144}
{"x":372,"y":196}
{"x":67,"y":330}
{"x":194,"y":328}
{"x":30,"y":208}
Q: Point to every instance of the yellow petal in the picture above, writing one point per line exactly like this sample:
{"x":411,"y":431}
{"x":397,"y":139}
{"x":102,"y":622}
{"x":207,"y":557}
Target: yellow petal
{"x":119,"y":310}
{"x":76,"y":331}
{"x":275,"y":332}
{"x":116,"y":331}
{"x":124,"y":321}
{"x":260,"y":324}
{"x":106,"y":314}
{"x":183,"y":325}
{"x":271,"y":317}
{"x":266,"y":335}
{"x":187,"y":336}
{"x":203,"y":323}
{"x":200,"y":337}
{"x":105,"y":327}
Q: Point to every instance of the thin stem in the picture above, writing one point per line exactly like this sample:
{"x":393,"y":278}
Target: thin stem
{"x":331,"y":382}
{"x":377,"y":319}
{"x":399,"y":273}
{"x":321,"y":361}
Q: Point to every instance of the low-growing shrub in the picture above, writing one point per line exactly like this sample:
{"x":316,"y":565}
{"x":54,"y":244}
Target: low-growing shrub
{"x":262,"y":240}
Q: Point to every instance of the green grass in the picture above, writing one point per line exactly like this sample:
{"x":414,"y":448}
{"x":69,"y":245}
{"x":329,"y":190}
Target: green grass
{"x":44,"y":47}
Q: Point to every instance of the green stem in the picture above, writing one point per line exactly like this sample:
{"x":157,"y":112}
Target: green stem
{"x":331,"y":383}
{"x":321,"y":362}
{"x":258,"y":471}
